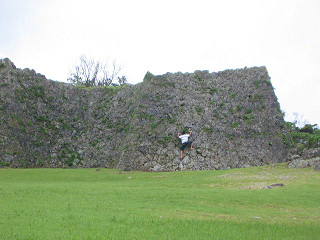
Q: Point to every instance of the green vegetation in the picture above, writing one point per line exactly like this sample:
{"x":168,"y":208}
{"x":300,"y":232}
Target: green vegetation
{"x":2,"y":65}
{"x":248,"y":111}
{"x":197,"y":77}
{"x":233,"y":95}
{"x":267,"y":82}
{"x":156,"y":124}
{"x":172,"y":120}
{"x":229,"y":136}
{"x":239,"y":108}
{"x":304,"y":137}
{"x":248,"y":118}
{"x":68,"y":156}
{"x":108,"y":204}
{"x":4,"y":84}
{"x":30,"y":93}
{"x":258,"y":98}
{"x":164,"y":141}
{"x":257,"y":83}
{"x":145,"y":116}
{"x":208,"y":130}
{"x":213,"y":90}
{"x":36,"y":92}
{"x":235,"y":124}
{"x":263,"y":80}
{"x":104,"y":120}
{"x":199,"y":110}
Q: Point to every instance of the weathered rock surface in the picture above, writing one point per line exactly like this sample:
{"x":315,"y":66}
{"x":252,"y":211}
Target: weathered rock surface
{"x":308,"y":158}
{"x":313,"y":163}
{"x":234,"y":115}
{"x":274,"y":186}
{"x":303,"y":153}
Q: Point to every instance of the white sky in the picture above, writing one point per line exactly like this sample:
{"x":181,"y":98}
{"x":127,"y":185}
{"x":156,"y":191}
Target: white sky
{"x":171,"y":36}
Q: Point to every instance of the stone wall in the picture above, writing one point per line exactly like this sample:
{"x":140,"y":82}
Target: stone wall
{"x":306,"y":158}
{"x":234,"y":115}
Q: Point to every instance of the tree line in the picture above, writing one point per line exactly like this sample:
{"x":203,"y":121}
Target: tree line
{"x":307,"y":136}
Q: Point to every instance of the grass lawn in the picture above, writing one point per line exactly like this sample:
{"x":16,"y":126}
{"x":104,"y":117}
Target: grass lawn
{"x":108,"y":204}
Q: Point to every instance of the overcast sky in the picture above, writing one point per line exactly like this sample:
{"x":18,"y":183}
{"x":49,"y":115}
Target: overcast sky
{"x":172,"y":36}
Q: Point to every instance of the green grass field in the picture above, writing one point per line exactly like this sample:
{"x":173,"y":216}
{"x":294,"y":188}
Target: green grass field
{"x":108,"y":204}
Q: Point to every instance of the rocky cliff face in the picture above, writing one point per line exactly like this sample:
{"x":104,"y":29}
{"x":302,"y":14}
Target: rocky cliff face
{"x":234,"y":115}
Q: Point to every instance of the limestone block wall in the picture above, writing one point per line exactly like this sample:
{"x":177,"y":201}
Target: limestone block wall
{"x":234,"y":114}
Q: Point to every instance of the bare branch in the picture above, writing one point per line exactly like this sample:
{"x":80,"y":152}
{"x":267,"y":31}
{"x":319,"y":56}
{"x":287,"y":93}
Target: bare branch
{"x":90,"y":72}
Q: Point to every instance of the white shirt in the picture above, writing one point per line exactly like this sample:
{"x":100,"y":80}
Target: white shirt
{"x":184,"y":138}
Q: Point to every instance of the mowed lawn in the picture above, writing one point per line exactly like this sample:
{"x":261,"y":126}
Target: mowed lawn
{"x":110,"y":204}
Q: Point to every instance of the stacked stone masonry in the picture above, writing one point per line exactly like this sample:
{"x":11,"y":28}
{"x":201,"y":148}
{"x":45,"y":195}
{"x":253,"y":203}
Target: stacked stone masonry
{"x":234,"y":114}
